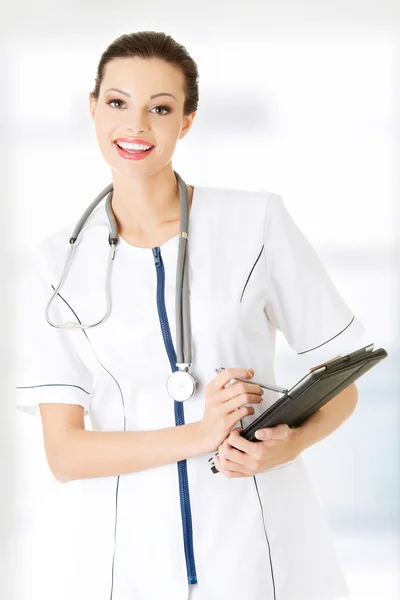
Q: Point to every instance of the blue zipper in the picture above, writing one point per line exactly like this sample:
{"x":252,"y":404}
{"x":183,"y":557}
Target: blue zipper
{"x":179,"y":420}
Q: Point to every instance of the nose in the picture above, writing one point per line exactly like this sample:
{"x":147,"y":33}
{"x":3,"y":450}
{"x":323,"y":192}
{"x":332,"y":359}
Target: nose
{"x":138,"y":122}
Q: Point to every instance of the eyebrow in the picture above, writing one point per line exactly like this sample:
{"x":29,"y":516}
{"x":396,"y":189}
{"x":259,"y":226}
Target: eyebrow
{"x":151,"y":97}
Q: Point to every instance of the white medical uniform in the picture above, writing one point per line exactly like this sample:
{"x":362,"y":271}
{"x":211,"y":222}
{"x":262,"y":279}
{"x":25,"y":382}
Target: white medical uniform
{"x":251,"y":271}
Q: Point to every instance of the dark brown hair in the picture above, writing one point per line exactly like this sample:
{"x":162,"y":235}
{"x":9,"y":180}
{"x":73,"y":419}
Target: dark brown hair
{"x":153,"y":44}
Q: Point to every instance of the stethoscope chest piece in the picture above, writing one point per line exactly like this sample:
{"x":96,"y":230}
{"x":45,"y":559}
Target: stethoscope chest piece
{"x":181,"y":385}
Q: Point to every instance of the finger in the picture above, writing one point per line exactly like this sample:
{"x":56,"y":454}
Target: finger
{"x":279,"y":432}
{"x":227,"y":375}
{"x":231,"y":392}
{"x":239,"y":442}
{"x":231,"y":466}
{"x":229,"y":474}
{"x":234,"y":431}
{"x":237,"y":456}
{"x":217,"y":464}
{"x":237,"y":430}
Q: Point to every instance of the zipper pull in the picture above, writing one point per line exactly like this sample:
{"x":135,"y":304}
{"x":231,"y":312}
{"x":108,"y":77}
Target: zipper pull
{"x":157,"y":256}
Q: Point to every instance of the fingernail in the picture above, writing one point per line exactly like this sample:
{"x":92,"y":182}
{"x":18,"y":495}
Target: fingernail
{"x":260,"y":435}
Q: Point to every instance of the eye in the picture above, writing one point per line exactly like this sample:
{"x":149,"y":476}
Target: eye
{"x":114,"y":100}
{"x":165,"y":108}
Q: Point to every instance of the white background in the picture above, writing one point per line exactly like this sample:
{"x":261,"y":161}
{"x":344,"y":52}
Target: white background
{"x":295,"y":98}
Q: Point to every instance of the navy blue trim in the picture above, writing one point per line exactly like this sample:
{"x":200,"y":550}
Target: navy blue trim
{"x":123,"y":404}
{"x":184,"y":494}
{"x":332,"y":338}
{"x":25,"y":387}
{"x":252,"y":269}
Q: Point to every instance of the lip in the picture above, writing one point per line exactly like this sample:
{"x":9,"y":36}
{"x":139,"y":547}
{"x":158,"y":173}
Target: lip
{"x":134,"y":141}
{"x":132,"y":156}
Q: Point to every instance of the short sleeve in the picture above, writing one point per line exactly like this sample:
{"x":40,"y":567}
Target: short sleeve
{"x":302,"y":301}
{"x":49,"y":369}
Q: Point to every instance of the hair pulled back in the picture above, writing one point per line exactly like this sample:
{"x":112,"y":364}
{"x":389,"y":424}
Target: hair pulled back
{"x":153,"y":44}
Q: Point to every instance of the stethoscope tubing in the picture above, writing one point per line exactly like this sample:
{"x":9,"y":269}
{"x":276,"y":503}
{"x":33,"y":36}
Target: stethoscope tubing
{"x":182,"y":308}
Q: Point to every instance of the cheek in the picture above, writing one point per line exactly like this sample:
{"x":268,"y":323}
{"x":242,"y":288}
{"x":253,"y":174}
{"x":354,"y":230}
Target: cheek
{"x":105,"y":145}
{"x":167,"y":132}
{"x":103,"y":136}
{"x":166,"y":137}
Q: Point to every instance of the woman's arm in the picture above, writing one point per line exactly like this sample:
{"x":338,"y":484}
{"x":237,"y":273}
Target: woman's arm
{"x":76,"y":453}
{"x":328,"y":418}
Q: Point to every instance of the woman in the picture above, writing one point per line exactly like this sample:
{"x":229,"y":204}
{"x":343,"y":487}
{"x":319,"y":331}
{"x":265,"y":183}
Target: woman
{"x":156,"y":522}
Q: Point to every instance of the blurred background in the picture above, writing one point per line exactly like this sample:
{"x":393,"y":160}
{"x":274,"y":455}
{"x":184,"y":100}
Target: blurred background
{"x":311,"y":91}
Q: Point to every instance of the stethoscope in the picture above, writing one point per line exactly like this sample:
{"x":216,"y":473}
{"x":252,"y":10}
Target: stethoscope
{"x":181,"y":384}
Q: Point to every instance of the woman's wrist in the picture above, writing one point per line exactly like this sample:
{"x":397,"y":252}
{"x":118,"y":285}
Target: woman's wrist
{"x":199,"y":439}
{"x":298,"y":441}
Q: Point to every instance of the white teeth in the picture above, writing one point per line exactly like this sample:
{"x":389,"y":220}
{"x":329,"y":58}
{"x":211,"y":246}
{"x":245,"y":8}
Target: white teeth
{"x":129,"y":146}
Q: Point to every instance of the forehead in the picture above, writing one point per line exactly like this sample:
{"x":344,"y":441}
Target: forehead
{"x":150,"y":75}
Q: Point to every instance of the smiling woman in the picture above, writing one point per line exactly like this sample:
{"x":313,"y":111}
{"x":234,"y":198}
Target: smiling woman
{"x":157,"y":523}
{"x":125,"y":107}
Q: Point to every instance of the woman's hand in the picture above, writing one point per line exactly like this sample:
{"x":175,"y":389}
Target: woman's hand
{"x":237,"y":457}
{"x":225,"y":406}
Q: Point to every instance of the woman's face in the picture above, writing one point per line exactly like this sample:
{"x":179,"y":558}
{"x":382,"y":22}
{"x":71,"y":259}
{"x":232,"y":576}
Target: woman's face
{"x":159,"y":121}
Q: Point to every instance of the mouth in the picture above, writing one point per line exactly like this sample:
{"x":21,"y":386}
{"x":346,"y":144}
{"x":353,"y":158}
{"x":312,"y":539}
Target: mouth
{"x":132,"y":154}
{"x":131,"y":150}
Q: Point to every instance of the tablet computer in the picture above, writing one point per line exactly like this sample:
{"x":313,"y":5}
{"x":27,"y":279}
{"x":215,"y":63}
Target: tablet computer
{"x":314,"y":390}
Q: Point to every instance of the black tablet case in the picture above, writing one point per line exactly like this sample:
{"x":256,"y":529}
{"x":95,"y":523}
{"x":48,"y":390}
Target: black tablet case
{"x":314,"y":390}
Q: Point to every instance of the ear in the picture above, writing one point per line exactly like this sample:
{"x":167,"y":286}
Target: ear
{"x":92,"y":105}
{"x":187,"y":123}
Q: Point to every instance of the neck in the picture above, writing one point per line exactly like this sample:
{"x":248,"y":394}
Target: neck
{"x":143,"y":205}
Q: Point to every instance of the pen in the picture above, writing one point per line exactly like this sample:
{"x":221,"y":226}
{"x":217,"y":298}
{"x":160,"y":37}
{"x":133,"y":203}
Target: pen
{"x":274,"y":388}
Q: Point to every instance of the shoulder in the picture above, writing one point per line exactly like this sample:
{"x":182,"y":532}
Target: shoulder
{"x":236,"y":197}
{"x":242,"y":212}
{"x":49,"y":254}
{"x":236,"y":206}
{"x":232,"y":220}
{"x":34,"y":259}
